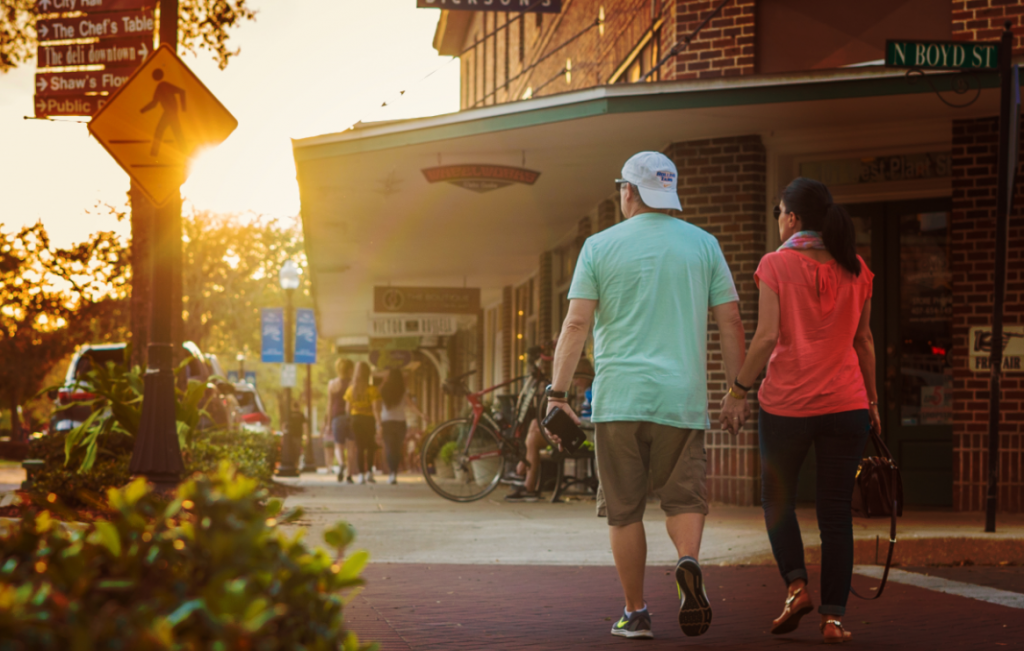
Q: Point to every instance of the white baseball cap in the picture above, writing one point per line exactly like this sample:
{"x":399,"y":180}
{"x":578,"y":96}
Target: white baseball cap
{"x":654,"y":174}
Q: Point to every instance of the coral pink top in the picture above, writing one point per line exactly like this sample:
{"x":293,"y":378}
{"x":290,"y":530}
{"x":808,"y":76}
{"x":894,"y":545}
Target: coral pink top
{"x":814,"y":368}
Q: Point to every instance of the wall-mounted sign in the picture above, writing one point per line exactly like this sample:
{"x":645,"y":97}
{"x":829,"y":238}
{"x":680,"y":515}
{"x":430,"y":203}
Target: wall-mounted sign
{"x":942,"y":55}
{"x":481,"y":178}
{"x":878,"y":169}
{"x":305,"y":336}
{"x":289,"y":375}
{"x":272,"y":335}
{"x":394,"y":352}
{"x":426,"y":300}
{"x":412,"y":325}
{"x":979,"y":342}
{"x":530,"y":6}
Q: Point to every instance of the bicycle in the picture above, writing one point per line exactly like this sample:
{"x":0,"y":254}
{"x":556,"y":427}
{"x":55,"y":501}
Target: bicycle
{"x":464,"y":459}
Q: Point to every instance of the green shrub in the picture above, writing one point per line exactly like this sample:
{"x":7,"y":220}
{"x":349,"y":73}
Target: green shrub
{"x":447,"y":452}
{"x":210,"y":570}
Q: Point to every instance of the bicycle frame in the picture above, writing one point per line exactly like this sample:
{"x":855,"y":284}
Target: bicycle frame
{"x":479,"y":410}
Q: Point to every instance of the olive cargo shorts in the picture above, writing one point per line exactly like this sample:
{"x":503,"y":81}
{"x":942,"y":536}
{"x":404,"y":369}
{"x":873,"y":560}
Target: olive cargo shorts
{"x":632,"y":455}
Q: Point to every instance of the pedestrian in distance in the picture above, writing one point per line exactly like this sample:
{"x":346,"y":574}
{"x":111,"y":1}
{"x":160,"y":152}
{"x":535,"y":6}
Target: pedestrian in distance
{"x":396,"y":403}
{"x":814,"y":333}
{"x":646,"y":285}
{"x":364,"y":410}
{"x":338,"y":419}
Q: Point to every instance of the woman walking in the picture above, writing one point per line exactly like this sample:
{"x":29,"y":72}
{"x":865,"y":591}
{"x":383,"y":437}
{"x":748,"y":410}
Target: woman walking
{"x":337,"y":416}
{"x":813,"y":332}
{"x":396,"y":402}
{"x":364,"y":417}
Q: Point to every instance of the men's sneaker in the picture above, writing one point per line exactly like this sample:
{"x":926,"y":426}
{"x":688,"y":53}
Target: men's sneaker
{"x":520,"y":494}
{"x":637,"y":625}
{"x":694,"y":607}
{"x":392,"y":479}
{"x":370,"y":479}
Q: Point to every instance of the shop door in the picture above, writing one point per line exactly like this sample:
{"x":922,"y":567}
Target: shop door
{"x":907,"y":245}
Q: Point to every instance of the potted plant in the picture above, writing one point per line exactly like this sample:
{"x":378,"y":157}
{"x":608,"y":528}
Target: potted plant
{"x":484,"y":469}
{"x":443,"y":462}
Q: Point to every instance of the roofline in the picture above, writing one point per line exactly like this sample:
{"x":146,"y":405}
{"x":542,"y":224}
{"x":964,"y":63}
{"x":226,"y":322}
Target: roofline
{"x":844,"y":83}
{"x":451,"y":30}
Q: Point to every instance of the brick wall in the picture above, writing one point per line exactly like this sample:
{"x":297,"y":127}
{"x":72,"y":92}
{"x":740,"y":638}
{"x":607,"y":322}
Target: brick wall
{"x":975,"y":146}
{"x":983,"y":20}
{"x":722,"y":190}
{"x":724,"y":48}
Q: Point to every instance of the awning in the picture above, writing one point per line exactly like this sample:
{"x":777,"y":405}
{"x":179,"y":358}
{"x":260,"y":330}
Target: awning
{"x":371,"y":217}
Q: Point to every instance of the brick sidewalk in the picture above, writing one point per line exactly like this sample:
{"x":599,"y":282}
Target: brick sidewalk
{"x":496,"y":607}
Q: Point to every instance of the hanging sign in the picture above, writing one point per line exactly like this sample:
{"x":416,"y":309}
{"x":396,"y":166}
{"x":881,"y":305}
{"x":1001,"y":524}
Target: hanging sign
{"x":128,"y":51}
{"x":101,"y":26}
{"x":980,"y":342}
{"x":480,"y":178}
{"x":393,"y":352}
{"x":412,"y":325}
{"x":426,"y":300}
{"x":272,"y":335}
{"x":305,"y":336}
{"x":75,"y":83}
{"x":942,"y":55}
{"x":521,"y":6}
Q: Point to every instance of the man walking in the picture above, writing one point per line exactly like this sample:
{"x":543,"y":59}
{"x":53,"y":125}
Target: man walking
{"x":646,"y":285}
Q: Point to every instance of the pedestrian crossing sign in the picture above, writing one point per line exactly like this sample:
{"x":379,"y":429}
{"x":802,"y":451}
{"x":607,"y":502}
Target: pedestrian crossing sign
{"x":158,"y":120}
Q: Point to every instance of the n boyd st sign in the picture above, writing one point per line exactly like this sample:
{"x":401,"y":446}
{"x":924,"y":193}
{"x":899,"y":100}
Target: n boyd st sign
{"x":942,"y":55}
{"x":111,"y":25}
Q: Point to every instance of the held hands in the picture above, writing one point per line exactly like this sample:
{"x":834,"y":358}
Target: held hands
{"x":734,"y":414}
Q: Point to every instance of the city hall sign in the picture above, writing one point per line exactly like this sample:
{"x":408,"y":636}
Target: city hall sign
{"x":526,"y":6}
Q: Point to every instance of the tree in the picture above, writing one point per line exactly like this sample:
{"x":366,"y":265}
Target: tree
{"x":52,"y":300}
{"x":202,"y":25}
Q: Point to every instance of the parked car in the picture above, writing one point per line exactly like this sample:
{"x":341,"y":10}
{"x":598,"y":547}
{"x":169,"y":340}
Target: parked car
{"x":67,"y":415}
{"x":252,"y":416}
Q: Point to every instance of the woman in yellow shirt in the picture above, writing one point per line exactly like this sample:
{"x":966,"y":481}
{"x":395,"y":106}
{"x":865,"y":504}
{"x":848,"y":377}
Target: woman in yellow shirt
{"x":363,"y":406}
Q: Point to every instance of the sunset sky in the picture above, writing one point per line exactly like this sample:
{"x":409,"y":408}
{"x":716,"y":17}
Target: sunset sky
{"x":307,"y":67}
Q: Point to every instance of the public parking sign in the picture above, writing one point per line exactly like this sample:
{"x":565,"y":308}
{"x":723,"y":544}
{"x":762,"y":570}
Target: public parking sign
{"x":305,"y":337}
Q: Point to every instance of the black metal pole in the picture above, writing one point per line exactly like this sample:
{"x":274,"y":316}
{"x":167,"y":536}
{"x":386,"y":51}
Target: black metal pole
{"x":1006,"y":178}
{"x":156,"y":454}
{"x":290,"y":452}
{"x":309,"y":455}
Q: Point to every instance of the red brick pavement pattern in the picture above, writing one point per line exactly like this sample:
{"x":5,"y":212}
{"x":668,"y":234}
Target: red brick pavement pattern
{"x":497,"y":607}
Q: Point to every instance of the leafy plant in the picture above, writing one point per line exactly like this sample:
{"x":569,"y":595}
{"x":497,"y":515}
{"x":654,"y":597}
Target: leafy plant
{"x":447,"y":452}
{"x":209,"y":570}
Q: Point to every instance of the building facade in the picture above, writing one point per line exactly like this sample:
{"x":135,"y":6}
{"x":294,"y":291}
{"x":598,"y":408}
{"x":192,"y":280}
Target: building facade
{"x":766,"y":90}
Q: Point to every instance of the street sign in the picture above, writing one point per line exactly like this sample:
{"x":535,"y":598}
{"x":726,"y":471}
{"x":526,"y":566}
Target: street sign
{"x":272,"y":335}
{"x":412,"y":325}
{"x":250,"y":377}
{"x":69,"y":105}
{"x":232,"y":376}
{"x":158,"y":119}
{"x":305,"y":336}
{"x":519,"y":6}
{"x":426,"y":300}
{"x":91,"y":6}
{"x":289,"y":375}
{"x":942,"y":55}
{"x":102,"y":26}
{"x":75,"y":83}
{"x":129,"y":51}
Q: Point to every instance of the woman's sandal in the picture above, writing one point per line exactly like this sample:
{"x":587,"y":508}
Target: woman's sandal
{"x":797,"y":605}
{"x":833,"y":632}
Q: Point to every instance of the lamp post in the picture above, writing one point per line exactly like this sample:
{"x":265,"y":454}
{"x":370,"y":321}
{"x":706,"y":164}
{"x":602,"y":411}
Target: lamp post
{"x":289,"y":278}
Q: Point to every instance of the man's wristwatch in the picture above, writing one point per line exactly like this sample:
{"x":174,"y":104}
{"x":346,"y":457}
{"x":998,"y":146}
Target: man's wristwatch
{"x":551,"y":393}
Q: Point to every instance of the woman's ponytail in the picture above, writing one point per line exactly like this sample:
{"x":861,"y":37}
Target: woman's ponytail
{"x":840,"y":238}
{"x":812,"y":203}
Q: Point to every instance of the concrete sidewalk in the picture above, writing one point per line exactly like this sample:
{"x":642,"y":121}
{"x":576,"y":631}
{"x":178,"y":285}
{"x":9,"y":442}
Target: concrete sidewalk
{"x":409,"y":523}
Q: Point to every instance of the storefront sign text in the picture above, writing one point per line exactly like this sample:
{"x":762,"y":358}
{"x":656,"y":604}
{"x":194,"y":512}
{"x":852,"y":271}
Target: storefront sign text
{"x":481,"y":178}
{"x":980,"y":343}
{"x":426,"y":300}
{"x":878,"y":169}
{"x":413,"y":325}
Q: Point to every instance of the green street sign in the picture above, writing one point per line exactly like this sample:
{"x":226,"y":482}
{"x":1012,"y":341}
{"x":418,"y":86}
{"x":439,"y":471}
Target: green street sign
{"x":942,"y":55}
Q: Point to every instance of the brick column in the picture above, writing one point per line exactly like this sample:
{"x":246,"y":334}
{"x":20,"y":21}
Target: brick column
{"x":975,"y":149}
{"x":722,"y":189}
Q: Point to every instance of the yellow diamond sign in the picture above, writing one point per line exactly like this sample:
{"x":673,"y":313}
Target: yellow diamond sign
{"x":158,"y":119}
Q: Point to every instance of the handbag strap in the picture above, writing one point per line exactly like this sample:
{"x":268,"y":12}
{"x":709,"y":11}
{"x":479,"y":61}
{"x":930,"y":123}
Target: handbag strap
{"x":884,"y":451}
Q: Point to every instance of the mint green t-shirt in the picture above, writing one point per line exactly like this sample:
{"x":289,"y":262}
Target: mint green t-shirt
{"x":654,"y":277}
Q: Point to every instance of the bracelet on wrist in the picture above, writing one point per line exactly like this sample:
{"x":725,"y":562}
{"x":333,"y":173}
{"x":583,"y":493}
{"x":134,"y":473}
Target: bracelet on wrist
{"x":741,"y":387}
{"x":737,"y":396}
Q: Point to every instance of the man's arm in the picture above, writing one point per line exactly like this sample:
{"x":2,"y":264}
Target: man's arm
{"x":575,"y":331}
{"x":732,"y":337}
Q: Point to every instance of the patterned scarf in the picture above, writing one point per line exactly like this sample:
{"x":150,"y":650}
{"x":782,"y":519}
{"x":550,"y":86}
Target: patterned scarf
{"x":804,"y":240}
{"x":824,"y":275}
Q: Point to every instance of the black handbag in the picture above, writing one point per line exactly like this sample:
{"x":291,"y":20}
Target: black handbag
{"x":878,"y":491}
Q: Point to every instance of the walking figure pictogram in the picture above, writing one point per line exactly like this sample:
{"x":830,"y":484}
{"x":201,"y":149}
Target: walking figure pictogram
{"x":166,"y":95}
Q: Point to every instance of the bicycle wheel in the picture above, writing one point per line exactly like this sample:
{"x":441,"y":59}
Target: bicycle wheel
{"x":460,"y":469}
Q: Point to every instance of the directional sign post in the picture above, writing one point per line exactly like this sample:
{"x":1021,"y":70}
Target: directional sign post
{"x":157,"y":120}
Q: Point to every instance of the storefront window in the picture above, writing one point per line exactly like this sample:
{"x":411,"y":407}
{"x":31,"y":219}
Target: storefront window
{"x":926,"y":320}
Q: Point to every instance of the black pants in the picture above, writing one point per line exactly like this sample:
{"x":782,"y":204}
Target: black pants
{"x":365,"y":430}
{"x":394,"y":439}
{"x":839,"y":441}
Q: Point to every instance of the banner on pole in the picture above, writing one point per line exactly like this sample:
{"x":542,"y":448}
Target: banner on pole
{"x":272,"y":335}
{"x":305,"y":336}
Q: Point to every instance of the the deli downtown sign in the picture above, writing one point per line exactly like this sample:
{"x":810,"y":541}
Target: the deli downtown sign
{"x":480,"y":178}
{"x":530,"y":6}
